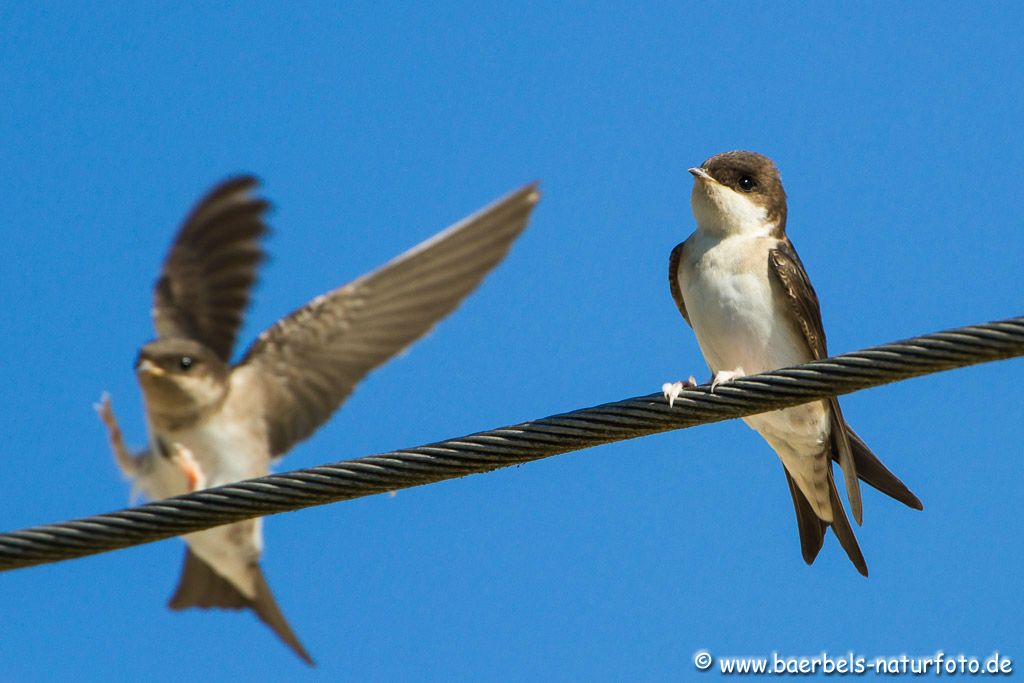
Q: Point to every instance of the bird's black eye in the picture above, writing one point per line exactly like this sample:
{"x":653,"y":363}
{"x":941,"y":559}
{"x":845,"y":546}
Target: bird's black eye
{"x":185,"y":362}
{"x":747,"y":183}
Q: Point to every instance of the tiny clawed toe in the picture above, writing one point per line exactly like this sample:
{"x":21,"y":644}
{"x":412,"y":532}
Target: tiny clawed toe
{"x":672,"y":390}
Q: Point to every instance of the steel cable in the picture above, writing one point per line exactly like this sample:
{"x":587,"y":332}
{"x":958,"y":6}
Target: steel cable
{"x":513,"y":445}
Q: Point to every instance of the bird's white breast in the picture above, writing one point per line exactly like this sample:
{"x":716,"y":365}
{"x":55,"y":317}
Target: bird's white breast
{"x":742,"y":321}
{"x":736,"y":314}
{"x":228,"y":446}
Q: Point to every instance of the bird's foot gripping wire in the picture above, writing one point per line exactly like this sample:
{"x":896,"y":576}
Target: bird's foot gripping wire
{"x":726,"y":376}
{"x":671,"y":390}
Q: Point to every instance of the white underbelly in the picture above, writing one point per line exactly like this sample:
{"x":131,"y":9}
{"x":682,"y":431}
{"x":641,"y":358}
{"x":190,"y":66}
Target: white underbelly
{"x":225,"y":451}
{"x":160,"y":478}
{"x":739,"y":323}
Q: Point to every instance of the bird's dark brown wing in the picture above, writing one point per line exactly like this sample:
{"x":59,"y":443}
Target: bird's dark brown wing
{"x":789,"y":272}
{"x":208,"y":274}
{"x":309,"y":362}
{"x":673,"y":279}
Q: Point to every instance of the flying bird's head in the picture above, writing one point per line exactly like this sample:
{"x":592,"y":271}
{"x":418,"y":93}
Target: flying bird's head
{"x":739,"y":193}
{"x":182,"y":380}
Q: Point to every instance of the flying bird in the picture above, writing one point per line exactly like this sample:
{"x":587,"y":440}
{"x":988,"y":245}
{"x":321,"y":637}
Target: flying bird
{"x":740,"y":285}
{"x":212,"y":422}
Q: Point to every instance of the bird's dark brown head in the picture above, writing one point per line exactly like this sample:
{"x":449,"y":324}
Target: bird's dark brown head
{"x":182,"y":380}
{"x":736,"y":191}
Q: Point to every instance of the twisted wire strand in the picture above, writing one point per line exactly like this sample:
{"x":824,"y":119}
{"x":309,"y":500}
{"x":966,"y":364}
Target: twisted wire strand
{"x":512,"y":445}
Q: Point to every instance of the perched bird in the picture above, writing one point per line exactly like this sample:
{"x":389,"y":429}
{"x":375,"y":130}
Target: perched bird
{"x":740,"y":285}
{"x":212,"y":422}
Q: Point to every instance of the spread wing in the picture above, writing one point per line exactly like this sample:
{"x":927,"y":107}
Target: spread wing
{"x":673,"y":279}
{"x":309,"y":362}
{"x":204,"y":286}
{"x":789,"y":272}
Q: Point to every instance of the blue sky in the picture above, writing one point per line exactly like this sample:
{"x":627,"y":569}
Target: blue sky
{"x":897,"y":130}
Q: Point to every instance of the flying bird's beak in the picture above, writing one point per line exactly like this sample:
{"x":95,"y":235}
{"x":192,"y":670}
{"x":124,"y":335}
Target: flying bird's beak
{"x":701,"y":174}
{"x":147,"y":367}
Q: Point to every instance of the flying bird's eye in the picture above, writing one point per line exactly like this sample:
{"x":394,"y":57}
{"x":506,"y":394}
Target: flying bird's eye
{"x":185,"y":362}
{"x":747,"y":183}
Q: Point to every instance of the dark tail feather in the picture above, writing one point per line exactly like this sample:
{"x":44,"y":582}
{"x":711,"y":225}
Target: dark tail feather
{"x":871,"y":470}
{"x":812,"y":529}
{"x":841,"y":526}
{"x":842,"y":450}
{"x":201,"y":586}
